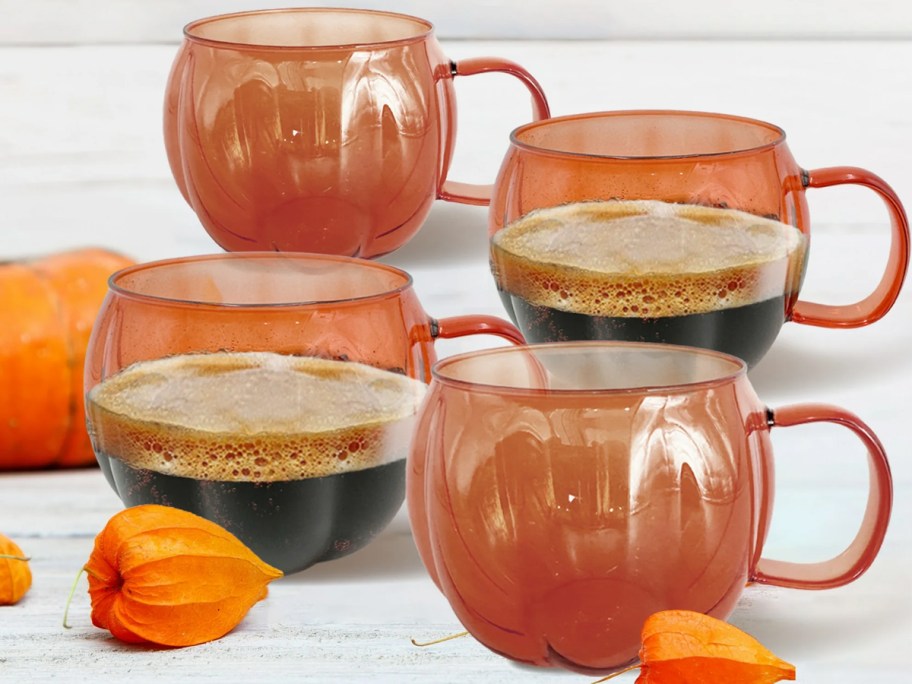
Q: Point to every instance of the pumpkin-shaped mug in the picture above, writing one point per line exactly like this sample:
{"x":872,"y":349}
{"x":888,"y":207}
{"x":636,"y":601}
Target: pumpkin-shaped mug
{"x":560,"y":494}
{"x":687,"y":228}
{"x":271,"y":393}
{"x":316,"y":129}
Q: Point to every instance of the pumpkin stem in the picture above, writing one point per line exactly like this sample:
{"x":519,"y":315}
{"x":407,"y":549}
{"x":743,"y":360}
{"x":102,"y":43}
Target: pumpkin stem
{"x":66,"y":610}
{"x":618,"y":673}
{"x":25,"y":559}
{"x":439,"y":641}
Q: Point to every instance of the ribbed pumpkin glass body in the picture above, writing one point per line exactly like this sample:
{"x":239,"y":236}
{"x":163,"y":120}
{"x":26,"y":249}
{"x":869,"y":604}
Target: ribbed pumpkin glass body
{"x":316,"y":130}
{"x":680,"y":158}
{"x":333,"y":308}
{"x":561,"y":494}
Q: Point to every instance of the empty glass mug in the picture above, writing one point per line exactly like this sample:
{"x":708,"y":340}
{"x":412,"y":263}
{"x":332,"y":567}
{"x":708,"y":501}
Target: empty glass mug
{"x":560,"y":494}
{"x":274,"y":394}
{"x":316,"y":129}
{"x":667,"y":226}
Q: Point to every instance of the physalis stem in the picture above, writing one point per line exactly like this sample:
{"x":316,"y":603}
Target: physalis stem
{"x":440,"y":641}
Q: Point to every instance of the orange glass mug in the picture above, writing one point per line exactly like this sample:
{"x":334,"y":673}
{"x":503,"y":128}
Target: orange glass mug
{"x":317,"y":130}
{"x":560,"y":494}
{"x":573,"y":261}
{"x":272,"y":393}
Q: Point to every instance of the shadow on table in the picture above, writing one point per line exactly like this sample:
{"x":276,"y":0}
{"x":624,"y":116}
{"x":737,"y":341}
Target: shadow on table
{"x":792,"y":366}
{"x":812,"y":627}
{"x":536,"y":671}
{"x":451,"y":234}
{"x":392,"y":555}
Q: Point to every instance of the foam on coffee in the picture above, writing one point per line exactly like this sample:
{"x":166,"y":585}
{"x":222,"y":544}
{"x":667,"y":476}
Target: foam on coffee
{"x":253,"y":416}
{"x":645,"y":258}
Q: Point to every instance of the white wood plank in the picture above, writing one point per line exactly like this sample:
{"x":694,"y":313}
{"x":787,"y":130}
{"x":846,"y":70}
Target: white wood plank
{"x":130,"y":21}
{"x":82,"y":158}
{"x":81,"y":161}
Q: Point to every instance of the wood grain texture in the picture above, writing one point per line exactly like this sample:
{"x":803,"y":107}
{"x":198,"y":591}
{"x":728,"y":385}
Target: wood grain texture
{"x":81,"y":162}
{"x":81,"y":152}
{"x":43,"y":22}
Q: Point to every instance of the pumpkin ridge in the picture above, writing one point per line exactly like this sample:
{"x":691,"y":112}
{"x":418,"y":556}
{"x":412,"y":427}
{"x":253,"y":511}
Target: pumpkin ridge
{"x":51,"y":303}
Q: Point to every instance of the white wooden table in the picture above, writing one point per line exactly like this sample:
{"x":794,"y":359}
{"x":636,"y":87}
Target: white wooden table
{"x":81,"y":162}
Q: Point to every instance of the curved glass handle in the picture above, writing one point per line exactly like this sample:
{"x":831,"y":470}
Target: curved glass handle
{"x":851,"y":563}
{"x":460,"y":326}
{"x":472,"y":193}
{"x":879,"y":302}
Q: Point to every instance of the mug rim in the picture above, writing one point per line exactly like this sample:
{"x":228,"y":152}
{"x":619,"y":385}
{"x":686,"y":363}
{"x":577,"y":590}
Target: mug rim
{"x":368,"y":45}
{"x":558,"y":120}
{"x":115,"y":287}
{"x":739,"y":370}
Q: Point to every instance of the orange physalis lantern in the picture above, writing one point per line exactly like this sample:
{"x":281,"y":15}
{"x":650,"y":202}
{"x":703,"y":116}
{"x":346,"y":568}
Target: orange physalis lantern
{"x":15,"y":575}
{"x":163,"y":575}
{"x":684,"y":647}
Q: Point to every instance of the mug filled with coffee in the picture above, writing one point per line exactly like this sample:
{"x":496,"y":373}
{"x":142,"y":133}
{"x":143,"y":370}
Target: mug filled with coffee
{"x":560,"y":494}
{"x":274,"y":394}
{"x":318,"y":129}
{"x":662,"y":226}
{"x":645,"y":270}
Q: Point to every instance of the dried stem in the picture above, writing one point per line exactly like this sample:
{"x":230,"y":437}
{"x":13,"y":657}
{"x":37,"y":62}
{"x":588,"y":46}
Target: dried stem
{"x":440,"y":641}
{"x":24,"y":559}
{"x":618,"y":673}
{"x":70,"y":598}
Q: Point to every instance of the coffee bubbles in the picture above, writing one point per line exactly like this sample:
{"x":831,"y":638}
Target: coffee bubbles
{"x":254,"y":416}
{"x":263,"y":444}
{"x":649,"y":271}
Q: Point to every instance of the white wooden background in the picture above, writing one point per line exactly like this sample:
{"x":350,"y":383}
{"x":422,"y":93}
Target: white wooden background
{"x":82,"y":162}
{"x":32,"y":22}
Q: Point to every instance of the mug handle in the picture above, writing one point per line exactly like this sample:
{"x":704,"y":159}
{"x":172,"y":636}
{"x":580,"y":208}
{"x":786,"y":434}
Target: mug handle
{"x":879,"y":302}
{"x":858,"y":556}
{"x":460,"y":326}
{"x":473,"y":193}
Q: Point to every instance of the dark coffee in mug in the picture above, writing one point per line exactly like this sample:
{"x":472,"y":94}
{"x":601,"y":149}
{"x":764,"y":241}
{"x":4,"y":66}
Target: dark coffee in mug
{"x":263,"y":444}
{"x":649,"y":271}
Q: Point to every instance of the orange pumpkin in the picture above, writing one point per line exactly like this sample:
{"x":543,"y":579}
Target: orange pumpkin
{"x":49,"y":306}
